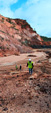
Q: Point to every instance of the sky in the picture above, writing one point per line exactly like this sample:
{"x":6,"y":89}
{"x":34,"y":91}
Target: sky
{"x":36,"y":12}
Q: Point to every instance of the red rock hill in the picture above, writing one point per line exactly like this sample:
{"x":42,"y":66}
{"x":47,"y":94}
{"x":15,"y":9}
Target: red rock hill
{"x":17,"y":36}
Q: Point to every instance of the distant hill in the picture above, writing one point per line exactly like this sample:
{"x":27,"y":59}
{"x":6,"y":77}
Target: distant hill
{"x":45,"y":38}
{"x":17,"y":36}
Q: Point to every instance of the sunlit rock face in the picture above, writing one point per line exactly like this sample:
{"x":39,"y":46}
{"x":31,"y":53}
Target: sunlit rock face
{"x":17,"y":36}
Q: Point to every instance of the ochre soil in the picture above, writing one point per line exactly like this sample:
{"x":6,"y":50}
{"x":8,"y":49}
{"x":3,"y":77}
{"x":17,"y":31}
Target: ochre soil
{"x":21,"y":92}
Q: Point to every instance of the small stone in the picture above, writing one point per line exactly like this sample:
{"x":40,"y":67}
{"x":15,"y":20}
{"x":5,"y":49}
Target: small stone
{"x":35,"y":102}
{"x":37,"y":96}
{"x":30,"y":97}
{"x":17,"y":75}
{"x":23,"y":102}
{"x":0,"y":105}
{"x":5,"y":109}
{"x":31,"y":78}
{"x":38,"y":85}
{"x":47,"y":105}
{"x":29,"y":105}
{"x":14,"y":94}
{"x":42,"y":89}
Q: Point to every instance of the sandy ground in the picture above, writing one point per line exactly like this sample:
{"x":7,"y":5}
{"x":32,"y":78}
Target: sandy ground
{"x":10,"y":60}
{"x":21,"y":92}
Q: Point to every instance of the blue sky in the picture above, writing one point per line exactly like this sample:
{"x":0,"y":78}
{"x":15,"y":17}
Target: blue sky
{"x":36,"y":12}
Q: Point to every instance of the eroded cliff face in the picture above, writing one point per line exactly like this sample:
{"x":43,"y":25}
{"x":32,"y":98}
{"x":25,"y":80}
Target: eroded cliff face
{"x":16,"y":36}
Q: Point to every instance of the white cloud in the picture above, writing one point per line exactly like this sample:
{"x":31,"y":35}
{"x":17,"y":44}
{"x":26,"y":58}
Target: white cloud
{"x":29,"y":2}
{"x":6,"y":12}
{"x":6,"y":3}
{"x":5,"y":7}
{"x":36,"y":12}
{"x":38,"y":15}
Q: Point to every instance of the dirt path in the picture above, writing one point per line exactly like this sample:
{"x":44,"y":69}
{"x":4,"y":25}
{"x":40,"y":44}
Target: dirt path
{"x":11,"y":60}
{"x":21,"y":92}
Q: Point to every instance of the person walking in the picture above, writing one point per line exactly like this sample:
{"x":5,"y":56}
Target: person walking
{"x":30,"y":66}
{"x":20,"y":67}
{"x":16,"y":67}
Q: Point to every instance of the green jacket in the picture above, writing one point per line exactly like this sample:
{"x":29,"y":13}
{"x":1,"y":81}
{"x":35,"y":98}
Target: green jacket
{"x":16,"y":67}
{"x":30,"y":64}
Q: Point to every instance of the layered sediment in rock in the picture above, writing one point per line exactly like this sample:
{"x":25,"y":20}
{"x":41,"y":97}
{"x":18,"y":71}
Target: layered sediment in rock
{"x":17,"y":36}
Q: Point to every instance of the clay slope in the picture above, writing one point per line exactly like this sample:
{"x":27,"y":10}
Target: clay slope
{"x":16,"y":36}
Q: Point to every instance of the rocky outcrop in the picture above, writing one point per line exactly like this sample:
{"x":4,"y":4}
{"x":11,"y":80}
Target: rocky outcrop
{"x":17,"y":36}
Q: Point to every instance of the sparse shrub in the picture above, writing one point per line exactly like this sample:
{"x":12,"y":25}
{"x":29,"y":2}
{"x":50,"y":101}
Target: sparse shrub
{"x":0,"y":47}
{"x":8,"y":20}
{"x":2,"y":31}
{"x":3,"y":48}
{"x":26,"y":41}
{"x":23,"y":26}
{"x":16,"y":29}
{"x":1,"y":38}
{"x":2,"y":19}
{"x":23,"y":42}
{"x":7,"y":40}
{"x":8,"y":48}
{"x":24,"y":20}
{"x":45,"y":38}
{"x":13,"y":23}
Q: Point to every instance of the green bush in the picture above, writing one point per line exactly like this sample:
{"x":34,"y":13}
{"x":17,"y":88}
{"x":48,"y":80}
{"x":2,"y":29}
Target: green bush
{"x":23,"y":26}
{"x":0,"y":47}
{"x":45,"y":38}
{"x":1,"y":38}
{"x":2,"y":31}
{"x":8,"y":20}
{"x":2,"y":20}
{"x":8,"y":48}
{"x":25,"y":42}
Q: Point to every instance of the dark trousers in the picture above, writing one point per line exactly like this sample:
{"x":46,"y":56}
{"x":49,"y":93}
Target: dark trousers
{"x":30,"y":70}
